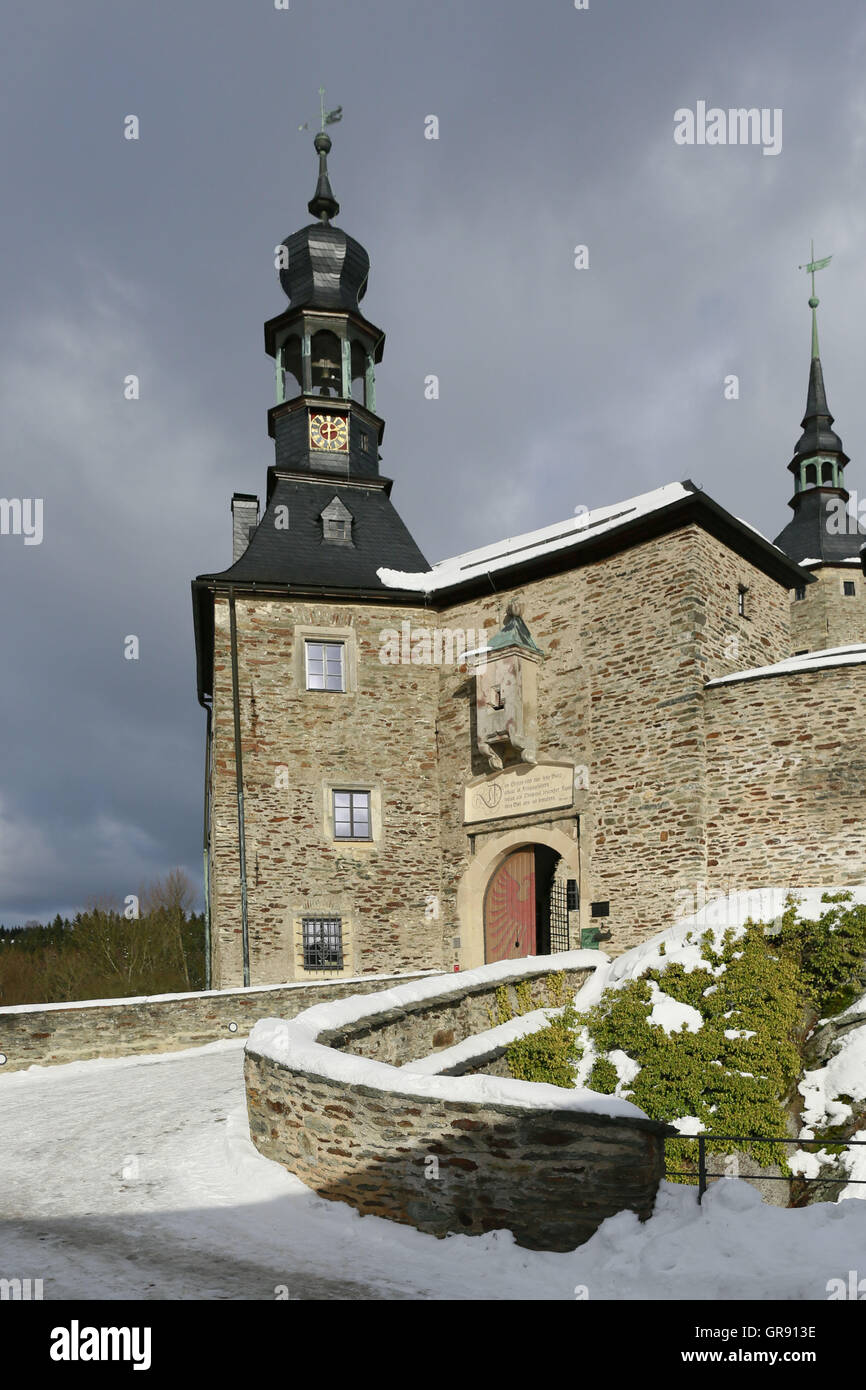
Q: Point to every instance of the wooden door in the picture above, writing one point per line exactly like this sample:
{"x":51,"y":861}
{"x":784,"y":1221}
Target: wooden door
{"x":509,"y":908}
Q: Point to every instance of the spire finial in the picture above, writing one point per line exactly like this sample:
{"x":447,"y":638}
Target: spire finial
{"x":810,"y":267}
{"x":323,"y":204}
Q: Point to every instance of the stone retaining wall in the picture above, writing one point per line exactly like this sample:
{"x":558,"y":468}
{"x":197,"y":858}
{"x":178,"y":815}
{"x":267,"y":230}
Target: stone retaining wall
{"x":53,"y":1033}
{"x":442,"y":1153}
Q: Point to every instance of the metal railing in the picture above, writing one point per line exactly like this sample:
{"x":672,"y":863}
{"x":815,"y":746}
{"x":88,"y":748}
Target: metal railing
{"x":702,"y":1174}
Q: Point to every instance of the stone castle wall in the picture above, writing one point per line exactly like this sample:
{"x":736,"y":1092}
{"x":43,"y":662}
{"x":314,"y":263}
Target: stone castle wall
{"x":826,"y":617}
{"x":670,"y":792}
{"x":786,"y":780}
{"x":629,"y":642}
{"x":428,"y":1151}
{"x":297,"y":745}
{"x":53,"y":1033}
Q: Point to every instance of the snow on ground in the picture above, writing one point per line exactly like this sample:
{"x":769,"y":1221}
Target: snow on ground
{"x":844,"y":1075}
{"x":136,"y":1177}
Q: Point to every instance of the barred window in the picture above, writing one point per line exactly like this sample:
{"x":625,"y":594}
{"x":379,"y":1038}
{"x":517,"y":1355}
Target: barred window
{"x":326,"y":665}
{"x":323,"y":943}
{"x":352,"y":815}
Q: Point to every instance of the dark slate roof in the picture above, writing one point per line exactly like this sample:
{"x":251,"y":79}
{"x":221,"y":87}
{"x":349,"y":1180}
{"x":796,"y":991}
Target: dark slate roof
{"x":327,"y":268}
{"x":300,"y":556}
{"x":818,"y":435}
{"x":811,"y":534}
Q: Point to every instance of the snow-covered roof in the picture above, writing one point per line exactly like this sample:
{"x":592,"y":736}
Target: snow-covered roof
{"x":798,"y":665}
{"x":846,"y":560}
{"x":570,"y":533}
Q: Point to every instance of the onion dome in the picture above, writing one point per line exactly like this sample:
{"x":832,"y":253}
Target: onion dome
{"x":327,"y":269}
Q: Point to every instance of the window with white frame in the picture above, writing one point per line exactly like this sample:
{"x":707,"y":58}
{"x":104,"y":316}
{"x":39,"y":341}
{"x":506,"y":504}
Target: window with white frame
{"x":326,"y":665}
{"x":351,"y":815}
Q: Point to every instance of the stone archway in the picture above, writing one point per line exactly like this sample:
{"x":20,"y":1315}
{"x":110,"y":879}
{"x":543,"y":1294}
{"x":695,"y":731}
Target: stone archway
{"x":473,"y":885}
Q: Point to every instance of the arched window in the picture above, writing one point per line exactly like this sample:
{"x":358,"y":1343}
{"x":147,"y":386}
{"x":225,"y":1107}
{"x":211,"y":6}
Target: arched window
{"x":827,"y":472}
{"x":327,"y":364}
{"x":811,"y":473}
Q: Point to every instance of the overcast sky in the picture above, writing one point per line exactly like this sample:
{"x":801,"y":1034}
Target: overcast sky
{"x":559,"y":387}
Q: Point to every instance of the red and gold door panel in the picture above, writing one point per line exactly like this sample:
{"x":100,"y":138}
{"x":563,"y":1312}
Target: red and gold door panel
{"x":509,"y":908}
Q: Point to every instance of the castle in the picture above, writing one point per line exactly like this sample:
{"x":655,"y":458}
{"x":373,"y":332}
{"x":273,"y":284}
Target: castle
{"x":544,"y":743}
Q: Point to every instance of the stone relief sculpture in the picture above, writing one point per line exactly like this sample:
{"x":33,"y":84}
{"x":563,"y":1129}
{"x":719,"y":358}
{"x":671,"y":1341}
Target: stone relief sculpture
{"x":506,"y":703}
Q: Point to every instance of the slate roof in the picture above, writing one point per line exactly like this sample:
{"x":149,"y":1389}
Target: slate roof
{"x":299,"y":558}
{"x":811,"y":532}
{"x":299,"y":555}
{"x":582,"y":539}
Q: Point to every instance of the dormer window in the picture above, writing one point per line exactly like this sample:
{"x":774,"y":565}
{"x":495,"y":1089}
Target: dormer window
{"x":336,"y":522}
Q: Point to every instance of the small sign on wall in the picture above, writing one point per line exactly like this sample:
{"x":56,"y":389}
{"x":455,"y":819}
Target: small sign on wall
{"x":518,"y":791}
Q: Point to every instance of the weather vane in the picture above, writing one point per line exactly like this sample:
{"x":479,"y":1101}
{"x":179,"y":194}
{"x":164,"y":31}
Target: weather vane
{"x":327,"y":117}
{"x":810,"y":267}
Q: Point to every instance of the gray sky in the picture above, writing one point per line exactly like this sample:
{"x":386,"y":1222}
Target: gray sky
{"x":559,"y":387}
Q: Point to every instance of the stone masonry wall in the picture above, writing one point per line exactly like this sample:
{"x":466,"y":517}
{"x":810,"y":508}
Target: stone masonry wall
{"x":298,"y":744}
{"x":629,"y":642}
{"x":826,"y":617}
{"x":167,"y":1023}
{"x":549,"y":1175}
{"x":786,"y":765}
{"x":399,"y":1036}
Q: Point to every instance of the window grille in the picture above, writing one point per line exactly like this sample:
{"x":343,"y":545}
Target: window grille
{"x":323,"y":943}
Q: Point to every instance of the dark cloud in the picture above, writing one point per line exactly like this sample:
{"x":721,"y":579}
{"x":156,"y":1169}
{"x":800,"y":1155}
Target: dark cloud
{"x":558,"y":387}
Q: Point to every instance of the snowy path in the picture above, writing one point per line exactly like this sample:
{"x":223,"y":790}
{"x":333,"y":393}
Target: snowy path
{"x":136,"y":1178}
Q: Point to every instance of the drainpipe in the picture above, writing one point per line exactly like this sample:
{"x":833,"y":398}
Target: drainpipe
{"x":206,"y":845}
{"x":239,"y":777}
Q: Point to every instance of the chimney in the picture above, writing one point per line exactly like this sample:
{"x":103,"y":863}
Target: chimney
{"x":245,"y":519}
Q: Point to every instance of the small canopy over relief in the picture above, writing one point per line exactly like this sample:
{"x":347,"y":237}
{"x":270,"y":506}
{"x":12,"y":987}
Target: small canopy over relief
{"x":514,"y":632}
{"x":336,"y":522}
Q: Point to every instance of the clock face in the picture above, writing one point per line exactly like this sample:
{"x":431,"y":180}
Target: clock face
{"x":329,"y":432}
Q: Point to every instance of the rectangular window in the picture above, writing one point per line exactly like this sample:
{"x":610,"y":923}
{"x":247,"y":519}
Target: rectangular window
{"x":352,"y":815}
{"x":741,"y":600}
{"x":800,"y":592}
{"x":849,"y":588}
{"x":323,"y":943}
{"x":326,"y":666}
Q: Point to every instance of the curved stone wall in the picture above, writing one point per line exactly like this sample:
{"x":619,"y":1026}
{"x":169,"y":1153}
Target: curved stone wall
{"x":333,"y":1096}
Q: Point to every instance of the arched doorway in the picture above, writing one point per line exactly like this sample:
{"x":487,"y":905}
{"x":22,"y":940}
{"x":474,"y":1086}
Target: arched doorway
{"x":510,"y":920}
{"x":491,"y":851}
{"x":526,"y":905}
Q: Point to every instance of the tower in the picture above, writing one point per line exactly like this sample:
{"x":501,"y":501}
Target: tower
{"x":823,"y":536}
{"x":297,"y":826}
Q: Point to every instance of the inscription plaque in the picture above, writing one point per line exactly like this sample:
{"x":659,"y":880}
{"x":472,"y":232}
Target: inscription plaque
{"x":519,"y":791}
